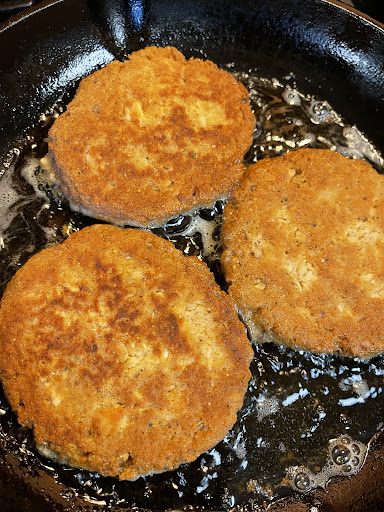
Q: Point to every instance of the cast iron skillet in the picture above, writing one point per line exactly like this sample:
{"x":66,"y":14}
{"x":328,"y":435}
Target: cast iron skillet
{"x":332,"y":52}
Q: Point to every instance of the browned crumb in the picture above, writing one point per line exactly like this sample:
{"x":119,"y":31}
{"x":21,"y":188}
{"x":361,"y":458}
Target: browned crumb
{"x":121,"y":354}
{"x":304,"y":252}
{"x":151,"y":137}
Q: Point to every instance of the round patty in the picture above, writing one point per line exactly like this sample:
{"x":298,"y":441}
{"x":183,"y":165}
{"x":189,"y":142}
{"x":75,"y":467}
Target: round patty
{"x":123,"y":355}
{"x":304,"y":252}
{"x":151,"y":137}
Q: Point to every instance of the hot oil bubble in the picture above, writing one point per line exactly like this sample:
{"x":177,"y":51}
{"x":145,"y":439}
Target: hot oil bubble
{"x":301,"y":478}
{"x":291,"y":97}
{"x":345,"y":457}
{"x":9,"y":198}
{"x":321,"y":112}
{"x":347,"y":454}
{"x":302,"y":481}
{"x":178,"y":224}
{"x":347,"y":468}
{"x":341,"y":454}
{"x":207,"y":214}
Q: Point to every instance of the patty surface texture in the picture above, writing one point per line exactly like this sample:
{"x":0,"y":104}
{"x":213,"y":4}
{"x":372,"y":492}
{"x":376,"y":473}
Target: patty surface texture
{"x":121,"y":354}
{"x":304,"y":252}
{"x":151,"y":137}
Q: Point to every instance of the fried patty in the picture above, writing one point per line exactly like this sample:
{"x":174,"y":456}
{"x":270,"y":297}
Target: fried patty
{"x":304,"y":252}
{"x":151,"y":137}
{"x":121,"y":354}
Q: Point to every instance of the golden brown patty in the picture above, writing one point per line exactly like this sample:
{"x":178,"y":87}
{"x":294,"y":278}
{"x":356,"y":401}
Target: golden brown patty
{"x":304,"y":252}
{"x":151,"y":137}
{"x":122,"y":354}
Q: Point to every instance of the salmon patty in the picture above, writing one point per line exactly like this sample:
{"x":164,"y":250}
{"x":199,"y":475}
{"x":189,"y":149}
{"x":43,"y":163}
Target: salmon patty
{"x":121,"y":354}
{"x":150,"y":138}
{"x":304,"y":252}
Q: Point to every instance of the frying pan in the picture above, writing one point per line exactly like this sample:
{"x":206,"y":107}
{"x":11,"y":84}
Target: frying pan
{"x":322,"y":47}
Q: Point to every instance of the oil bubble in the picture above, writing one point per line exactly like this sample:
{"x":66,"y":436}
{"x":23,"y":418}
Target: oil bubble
{"x":178,"y":224}
{"x":321,"y":112}
{"x":301,"y":478}
{"x":291,"y":97}
{"x":345,"y":457}
{"x":302,"y":481}
{"x":341,"y":454}
{"x":346,"y":454}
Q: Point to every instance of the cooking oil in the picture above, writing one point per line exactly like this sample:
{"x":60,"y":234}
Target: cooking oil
{"x":306,"y":417}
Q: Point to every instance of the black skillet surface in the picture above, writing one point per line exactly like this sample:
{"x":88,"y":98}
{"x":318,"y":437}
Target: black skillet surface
{"x":374,"y":8}
{"x":326,"y":50}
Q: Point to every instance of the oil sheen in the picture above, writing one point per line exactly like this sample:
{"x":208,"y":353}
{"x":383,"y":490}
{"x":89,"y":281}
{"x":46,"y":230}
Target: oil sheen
{"x":306,"y":417}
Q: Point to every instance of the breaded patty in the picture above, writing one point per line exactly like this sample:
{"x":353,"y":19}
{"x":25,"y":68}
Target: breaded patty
{"x":122,"y":354}
{"x":151,"y":137}
{"x":304,"y":252}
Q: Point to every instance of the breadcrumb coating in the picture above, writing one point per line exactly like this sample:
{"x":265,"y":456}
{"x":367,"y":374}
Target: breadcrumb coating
{"x":152,"y":137}
{"x":121,"y":354}
{"x":304,"y":252}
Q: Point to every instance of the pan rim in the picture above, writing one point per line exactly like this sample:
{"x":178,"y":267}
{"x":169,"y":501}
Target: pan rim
{"x":26,"y":13}
{"x":50,"y":3}
{"x":45,"y":4}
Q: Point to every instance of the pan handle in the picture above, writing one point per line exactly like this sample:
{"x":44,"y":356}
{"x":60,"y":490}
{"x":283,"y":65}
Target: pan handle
{"x":120,"y":21}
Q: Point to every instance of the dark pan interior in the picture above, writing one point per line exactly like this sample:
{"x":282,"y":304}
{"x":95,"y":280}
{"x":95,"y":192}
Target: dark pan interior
{"x":321,"y":47}
{"x":330,"y":51}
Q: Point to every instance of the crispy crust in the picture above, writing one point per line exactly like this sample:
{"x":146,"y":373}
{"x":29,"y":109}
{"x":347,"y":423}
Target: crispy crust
{"x":151,"y":137}
{"x":121,"y":354}
{"x":304,"y":252}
